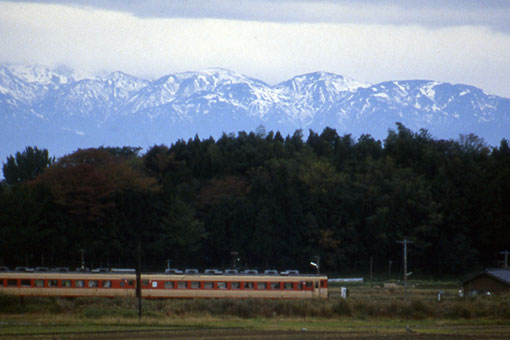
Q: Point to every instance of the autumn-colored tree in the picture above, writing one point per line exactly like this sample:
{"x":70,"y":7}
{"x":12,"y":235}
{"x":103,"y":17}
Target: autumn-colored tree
{"x":222,"y":188}
{"x":85,"y":182}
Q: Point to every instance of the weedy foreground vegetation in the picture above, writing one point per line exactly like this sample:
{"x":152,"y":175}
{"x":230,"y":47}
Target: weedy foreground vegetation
{"x":369,"y":309}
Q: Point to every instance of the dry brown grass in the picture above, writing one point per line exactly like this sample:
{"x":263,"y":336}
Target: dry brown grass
{"x":364,"y":302}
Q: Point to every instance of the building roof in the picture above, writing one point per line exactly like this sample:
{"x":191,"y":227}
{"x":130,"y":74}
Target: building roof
{"x":502,"y":275}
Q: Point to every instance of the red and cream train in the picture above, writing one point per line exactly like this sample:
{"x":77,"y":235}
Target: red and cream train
{"x":115,"y":284}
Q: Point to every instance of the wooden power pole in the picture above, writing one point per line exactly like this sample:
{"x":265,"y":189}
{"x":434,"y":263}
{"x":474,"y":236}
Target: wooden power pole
{"x":371,"y":268}
{"x":405,"y":242}
{"x":138,"y":277}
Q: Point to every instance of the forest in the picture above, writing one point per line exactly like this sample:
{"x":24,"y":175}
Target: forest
{"x":263,"y":200}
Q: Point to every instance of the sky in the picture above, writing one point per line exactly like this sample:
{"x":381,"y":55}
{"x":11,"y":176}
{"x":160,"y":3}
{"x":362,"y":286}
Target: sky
{"x":457,"y":41}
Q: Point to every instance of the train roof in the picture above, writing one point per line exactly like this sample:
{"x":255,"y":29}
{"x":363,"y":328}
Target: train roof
{"x":157,"y":276}
{"x":170,"y":271}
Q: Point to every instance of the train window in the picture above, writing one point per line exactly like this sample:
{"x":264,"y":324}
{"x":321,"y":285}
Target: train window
{"x":79,"y":283}
{"x":1,"y":282}
{"x":145,"y":283}
{"x":275,"y":285}
{"x":309,"y":284}
{"x":300,"y":285}
{"x":122,"y":283}
{"x":222,"y":285}
{"x":52,"y":283}
{"x":131,"y":283}
{"x":38,"y":283}
{"x":208,"y":285}
{"x":324,"y":284}
{"x":195,"y":284}
{"x":235,"y":285}
{"x":288,"y":285}
{"x":316,"y":284}
{"x":12,"y":283}
{"x":169,"y":284}
{"x":154,"y":284}
{"x":261,"y":285}
{"x":248,"y":285}
{"x":106,"y":284}
{"x":181,"y":284}
{"x":25,"y":283}
{"x":66,"y":283}
{"x":92,"y":283}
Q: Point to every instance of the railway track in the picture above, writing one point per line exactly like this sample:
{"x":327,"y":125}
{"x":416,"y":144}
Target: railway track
{"x":242,"y":334}
{"x":121,"y":333}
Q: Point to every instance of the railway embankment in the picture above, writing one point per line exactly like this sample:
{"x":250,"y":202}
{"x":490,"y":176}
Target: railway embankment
{"x":363,"y":302}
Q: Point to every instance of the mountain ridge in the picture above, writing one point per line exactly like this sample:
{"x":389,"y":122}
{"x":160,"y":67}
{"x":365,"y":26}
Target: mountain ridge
{"x":61,"y":109}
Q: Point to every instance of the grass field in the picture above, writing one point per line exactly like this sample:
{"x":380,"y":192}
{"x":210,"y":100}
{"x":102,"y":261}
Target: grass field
{"x":371,"y":311}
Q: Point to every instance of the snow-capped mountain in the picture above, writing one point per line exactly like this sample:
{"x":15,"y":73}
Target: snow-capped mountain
{"x":42,"y":75}
{"x":61,"y":109}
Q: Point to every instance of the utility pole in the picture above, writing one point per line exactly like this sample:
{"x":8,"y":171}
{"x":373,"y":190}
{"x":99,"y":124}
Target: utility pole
{"x":317,"y":266}
{"x":371,"y":267}
{"x":405,"y":242}
{"x":138,"y":277}
{"x":506,"y":253}
{"x":234,"y":258}
{"x":82,"y":251}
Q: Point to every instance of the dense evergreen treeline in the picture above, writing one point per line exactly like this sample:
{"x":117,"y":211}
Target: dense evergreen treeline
{"x":276,"y":201}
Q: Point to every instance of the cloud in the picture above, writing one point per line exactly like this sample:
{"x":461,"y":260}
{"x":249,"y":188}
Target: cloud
{"x":433,"y":13}
{"x":96,"y":39}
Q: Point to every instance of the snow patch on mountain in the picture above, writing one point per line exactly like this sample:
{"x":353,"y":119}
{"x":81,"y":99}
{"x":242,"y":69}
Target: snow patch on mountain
{"x":52,"y":105}
{"x":43,"y":75}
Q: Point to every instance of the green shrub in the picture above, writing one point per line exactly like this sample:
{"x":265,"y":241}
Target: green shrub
{"x":419,"y":309}
{"x":94,"y":312}
{"x":364,"y":308}
{"x":341,"y":308}
{"x":128,"y":313}
{"x":460,"y":310}
{"x":503,"y":308}
{"x":10,"y":304}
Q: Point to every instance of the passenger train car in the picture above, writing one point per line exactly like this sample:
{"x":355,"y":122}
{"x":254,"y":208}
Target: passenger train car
{"x":112,"y":284}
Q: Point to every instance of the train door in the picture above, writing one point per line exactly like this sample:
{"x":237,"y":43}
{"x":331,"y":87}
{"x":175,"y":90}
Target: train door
{"x":151,"y":288}
{"x":323,"y":288}
{"x":312,"y":288}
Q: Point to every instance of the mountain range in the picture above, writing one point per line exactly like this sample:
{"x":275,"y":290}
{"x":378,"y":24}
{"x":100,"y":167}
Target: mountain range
{"x":61,"y":109}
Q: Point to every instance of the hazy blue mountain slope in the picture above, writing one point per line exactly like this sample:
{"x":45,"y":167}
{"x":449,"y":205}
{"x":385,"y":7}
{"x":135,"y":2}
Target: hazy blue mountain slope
{"x":62,"y":109}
